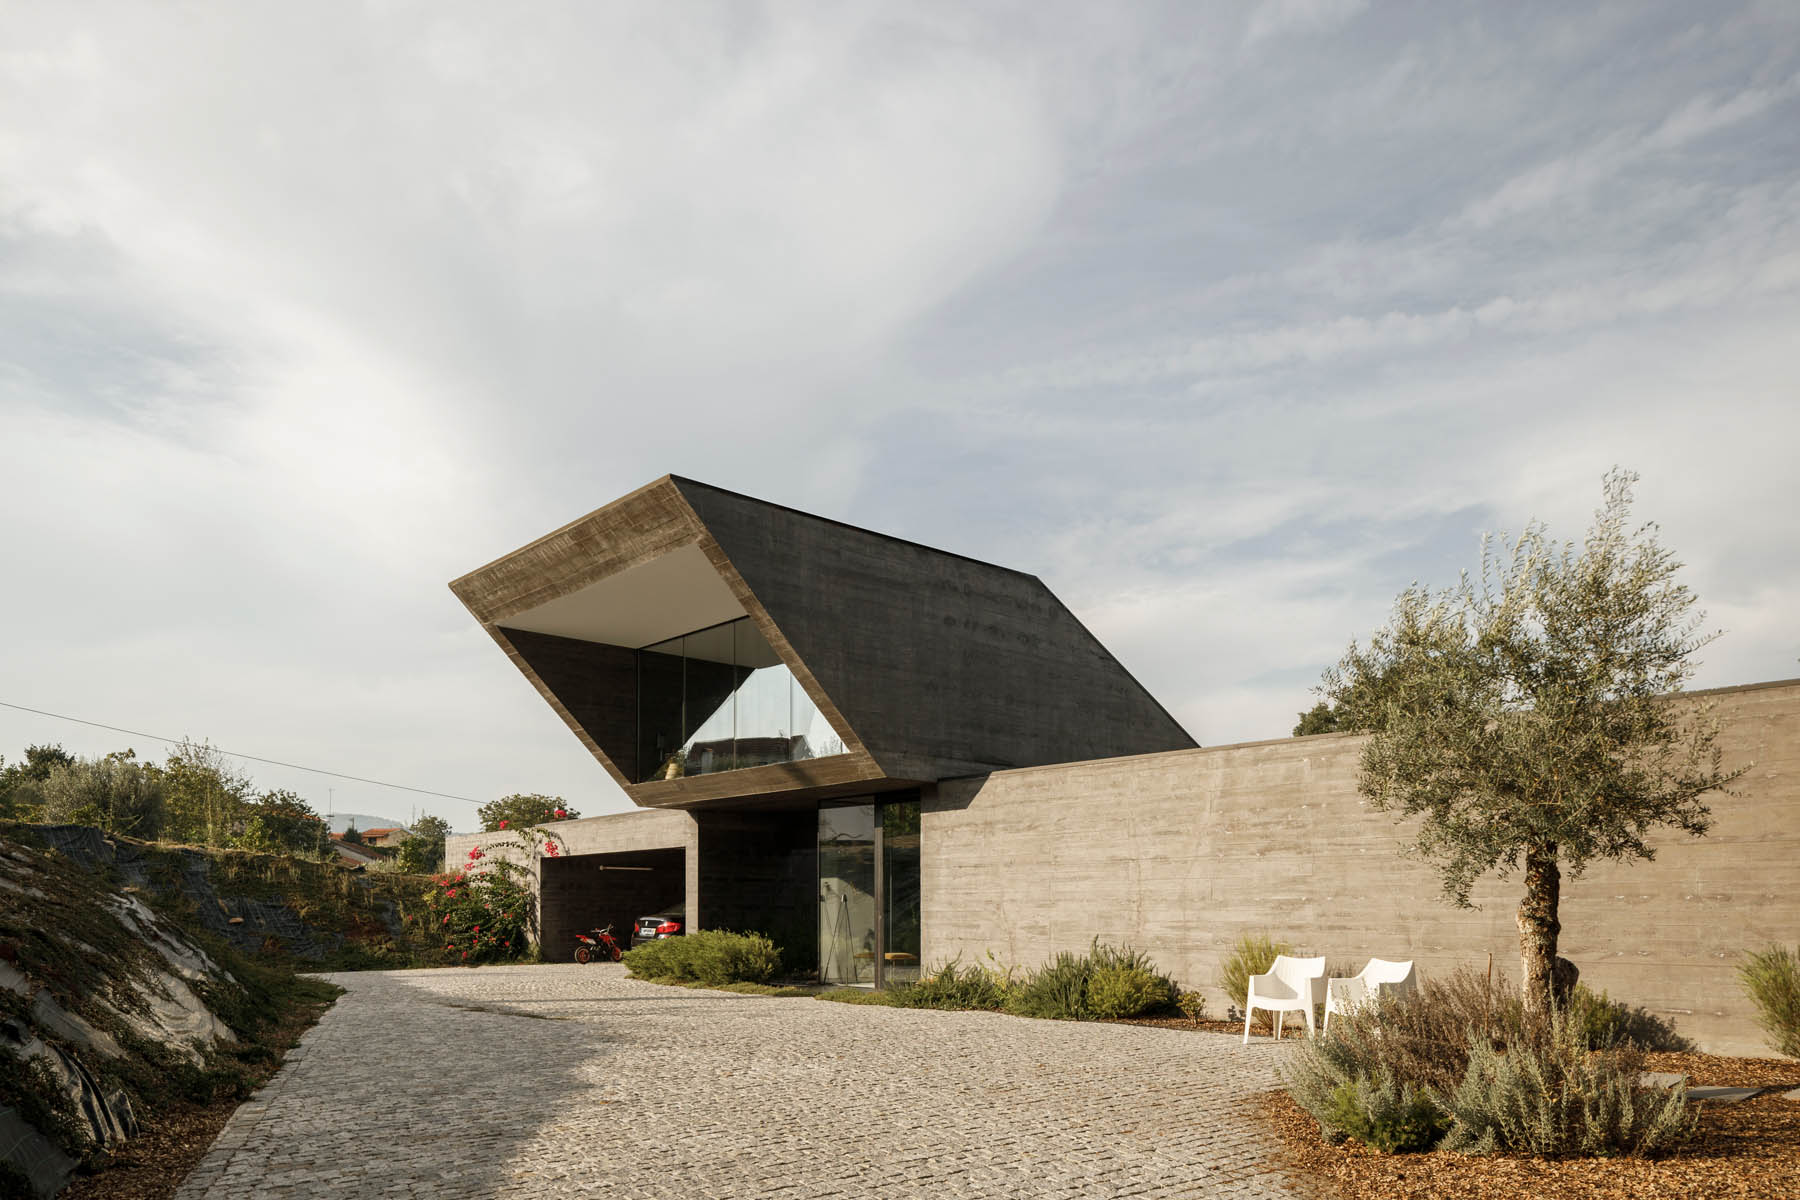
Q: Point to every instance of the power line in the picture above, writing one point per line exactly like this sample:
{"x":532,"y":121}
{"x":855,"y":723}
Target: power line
{"x":273,"y":762}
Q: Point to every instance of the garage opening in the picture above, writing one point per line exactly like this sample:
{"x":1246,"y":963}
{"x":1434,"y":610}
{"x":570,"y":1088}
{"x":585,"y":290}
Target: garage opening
{"x":581,"y":891}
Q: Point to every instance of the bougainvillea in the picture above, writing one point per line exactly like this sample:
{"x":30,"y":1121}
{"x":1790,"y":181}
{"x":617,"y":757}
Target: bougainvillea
{"x":484,"y":908}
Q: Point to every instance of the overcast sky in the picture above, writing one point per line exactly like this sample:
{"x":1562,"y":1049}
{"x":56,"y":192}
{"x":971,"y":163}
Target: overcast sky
{"x":1228,"y":321}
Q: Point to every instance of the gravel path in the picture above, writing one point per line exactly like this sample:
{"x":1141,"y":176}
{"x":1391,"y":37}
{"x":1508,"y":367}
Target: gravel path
{"x":574,"y":1081}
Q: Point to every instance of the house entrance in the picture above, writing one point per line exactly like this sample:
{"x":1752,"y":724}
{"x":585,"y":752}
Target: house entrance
{"x":869,"y":893}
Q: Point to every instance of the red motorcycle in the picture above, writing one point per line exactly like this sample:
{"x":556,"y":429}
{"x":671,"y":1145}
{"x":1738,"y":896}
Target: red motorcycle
{"x":597,"y":945}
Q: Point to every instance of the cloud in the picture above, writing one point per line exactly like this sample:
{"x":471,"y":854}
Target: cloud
{"x":1279,"y":18}
{"x":1227,"y":322}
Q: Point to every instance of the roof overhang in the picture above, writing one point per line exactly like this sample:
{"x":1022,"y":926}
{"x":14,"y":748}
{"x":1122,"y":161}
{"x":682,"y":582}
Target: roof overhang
{"x":570,"y":606}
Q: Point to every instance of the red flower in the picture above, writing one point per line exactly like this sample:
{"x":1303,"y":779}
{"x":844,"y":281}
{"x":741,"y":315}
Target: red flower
{"x":465,"y":955}
{"x":451,"y":894}
{"x":478,"y":929}
{"x":446,"y":918}
{"x":551,"y":850}
{"x":561,"y":813}
{"x":503,"y":824}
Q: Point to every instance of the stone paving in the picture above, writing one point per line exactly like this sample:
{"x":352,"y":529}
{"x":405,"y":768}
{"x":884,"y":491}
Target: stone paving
{"x":578,"y":1081}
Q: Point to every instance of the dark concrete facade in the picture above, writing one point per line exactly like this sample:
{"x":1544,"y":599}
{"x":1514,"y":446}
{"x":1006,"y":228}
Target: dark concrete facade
{"x":928,"y":664}
{"x":944,"y":665}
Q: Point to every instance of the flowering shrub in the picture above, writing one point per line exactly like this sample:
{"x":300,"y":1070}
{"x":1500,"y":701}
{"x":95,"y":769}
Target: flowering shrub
{"x":484,"y":910}
{"x":518,"y":811}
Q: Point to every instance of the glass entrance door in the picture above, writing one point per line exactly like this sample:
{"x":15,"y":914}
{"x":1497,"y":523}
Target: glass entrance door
{"x":869,"y":893}
{"x":847,"y":934}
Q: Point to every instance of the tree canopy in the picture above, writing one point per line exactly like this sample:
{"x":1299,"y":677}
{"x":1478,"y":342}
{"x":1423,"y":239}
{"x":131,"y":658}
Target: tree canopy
{"x":1523,"y":716}
{"x":522,"y":810}
{"x":422,"y":852}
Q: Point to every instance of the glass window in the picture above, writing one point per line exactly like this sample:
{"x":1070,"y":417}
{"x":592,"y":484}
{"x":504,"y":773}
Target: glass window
{"x":900,"y":885}
{"x":720,"y":698}
{"x":847,"y":894}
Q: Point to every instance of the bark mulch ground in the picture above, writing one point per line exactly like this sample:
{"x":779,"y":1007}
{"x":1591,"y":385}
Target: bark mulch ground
{"x":1744,"y":1150}
{"x":173,"y":1140}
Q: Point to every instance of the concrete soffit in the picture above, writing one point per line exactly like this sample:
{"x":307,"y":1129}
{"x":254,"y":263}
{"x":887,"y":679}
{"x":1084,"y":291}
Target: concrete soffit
{"x":554,"y":584}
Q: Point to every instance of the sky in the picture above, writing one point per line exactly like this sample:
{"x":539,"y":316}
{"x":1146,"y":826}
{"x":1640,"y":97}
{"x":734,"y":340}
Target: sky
{"x":1228,"y":321}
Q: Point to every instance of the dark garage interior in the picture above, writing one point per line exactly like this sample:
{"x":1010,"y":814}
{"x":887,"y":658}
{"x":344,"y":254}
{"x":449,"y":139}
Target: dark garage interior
{"x":581,"y":891}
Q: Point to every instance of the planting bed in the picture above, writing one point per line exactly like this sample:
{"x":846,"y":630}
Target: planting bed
{"x":1742,"y":1150}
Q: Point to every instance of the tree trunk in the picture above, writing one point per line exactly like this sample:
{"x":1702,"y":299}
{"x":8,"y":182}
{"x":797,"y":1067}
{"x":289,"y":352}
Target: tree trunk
{"x":1538,"y":927}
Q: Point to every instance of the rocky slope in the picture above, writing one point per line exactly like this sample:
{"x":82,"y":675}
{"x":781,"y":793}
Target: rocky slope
{"x":132,"y":975}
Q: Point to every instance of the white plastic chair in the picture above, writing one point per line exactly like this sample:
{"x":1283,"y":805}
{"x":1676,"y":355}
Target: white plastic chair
{"x":1292,"y":983}
{"x":1379,"y":978}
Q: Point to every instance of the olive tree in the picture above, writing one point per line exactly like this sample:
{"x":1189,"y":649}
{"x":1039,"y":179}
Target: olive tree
{"x":1525,"y":717}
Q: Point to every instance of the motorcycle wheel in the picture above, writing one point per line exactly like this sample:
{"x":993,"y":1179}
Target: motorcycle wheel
{"x":617,"y":954}
{"x":583,"y":954}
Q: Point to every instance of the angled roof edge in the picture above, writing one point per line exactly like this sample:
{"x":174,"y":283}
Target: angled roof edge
{"x":643,"y":525}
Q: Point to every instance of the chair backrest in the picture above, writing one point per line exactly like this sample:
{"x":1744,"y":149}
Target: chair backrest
{"x":1297,"y":972}
{"x":1381,"y":970}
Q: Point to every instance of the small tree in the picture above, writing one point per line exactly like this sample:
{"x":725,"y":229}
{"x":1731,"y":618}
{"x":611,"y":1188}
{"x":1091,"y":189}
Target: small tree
{"x":1525,"y":717}
{"x":117,"y":793}
{"x":352,"y":835}
{"x":522,"y":810}
{"x":208,"y":798}
{"x":21,"y":782}
{"x":422,"y":852}
{"x":281,"y":822}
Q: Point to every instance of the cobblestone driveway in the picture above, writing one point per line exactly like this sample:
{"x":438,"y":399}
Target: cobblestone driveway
{"x":567,"y":1080}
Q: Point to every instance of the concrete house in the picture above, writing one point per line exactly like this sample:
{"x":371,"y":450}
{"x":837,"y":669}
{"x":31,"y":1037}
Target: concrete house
{"x":885,"y":755}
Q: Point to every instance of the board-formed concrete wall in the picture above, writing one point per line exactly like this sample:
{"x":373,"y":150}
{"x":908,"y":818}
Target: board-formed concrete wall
{"x":1180,"y":853}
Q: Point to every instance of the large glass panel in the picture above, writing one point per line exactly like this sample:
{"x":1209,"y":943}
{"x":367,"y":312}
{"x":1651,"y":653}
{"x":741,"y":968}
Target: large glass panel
{"x":721,"y":698}
{"x":660,"y":754}
{"x":813,"y":735}
{"x":711,"y":681}
{"x":765,"y":728}
{"x":900,"y":883}
{"x":847,"y":894}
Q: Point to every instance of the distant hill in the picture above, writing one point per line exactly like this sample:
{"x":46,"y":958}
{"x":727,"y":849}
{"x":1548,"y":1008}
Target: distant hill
{"x":364,"y":822}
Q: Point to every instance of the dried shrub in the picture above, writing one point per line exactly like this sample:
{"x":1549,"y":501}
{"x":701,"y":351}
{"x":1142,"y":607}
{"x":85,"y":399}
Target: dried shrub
{"x":1605,"y":1022}
{"x":1550,"y":1095}
{"x":1254,"y":954}
{"x":1511,"y":1080}
{"x":1772,"y":979}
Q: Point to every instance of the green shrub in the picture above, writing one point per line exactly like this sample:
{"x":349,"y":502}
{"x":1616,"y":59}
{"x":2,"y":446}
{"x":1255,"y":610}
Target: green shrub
{"x":1772,"y":978}
{"x":1550,"y":1095}
{"x":1318,"y":1070}
{"x":709,"y":956}
{"x":1605,"y":1022}
{"x":1062,"y":989}
{"x":1254,"y":954}
{"x":1192,"y":1006}
{"x":1128,"y":992}
{"x":953,"y":986}
{"x":1057,"y":990}
{"x":1394,"y":1118}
